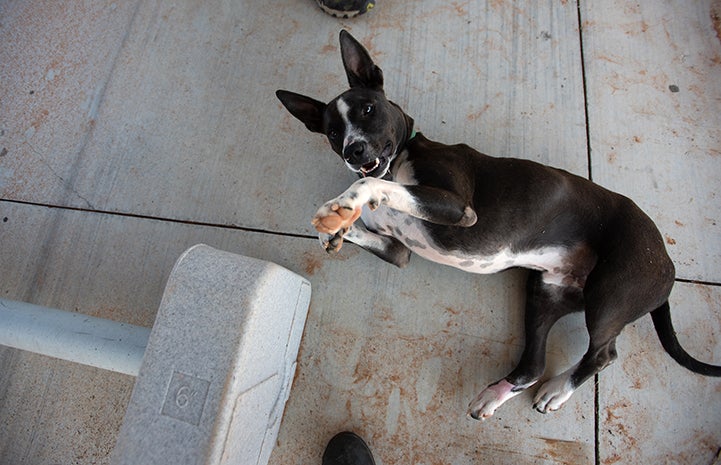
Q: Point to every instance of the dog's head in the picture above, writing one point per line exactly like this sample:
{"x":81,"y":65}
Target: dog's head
{"x":365,"y":128}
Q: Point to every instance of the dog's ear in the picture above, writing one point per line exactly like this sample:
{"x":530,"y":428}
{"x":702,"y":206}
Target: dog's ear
{"x":306,"y":109}
{"x":359,"y":66}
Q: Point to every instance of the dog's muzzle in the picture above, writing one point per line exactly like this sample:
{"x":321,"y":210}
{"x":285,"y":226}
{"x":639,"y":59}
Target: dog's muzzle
{"x":361,"y":163}
{"x":354,"y":153}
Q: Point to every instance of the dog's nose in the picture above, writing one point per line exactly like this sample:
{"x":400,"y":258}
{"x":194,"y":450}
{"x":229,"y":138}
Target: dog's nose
{"x":353,"y":153}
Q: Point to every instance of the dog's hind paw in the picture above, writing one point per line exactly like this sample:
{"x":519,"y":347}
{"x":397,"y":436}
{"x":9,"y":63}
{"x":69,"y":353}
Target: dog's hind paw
{"x":333,"y":217}
{"x":553,"y":394}
{"x":486,"y":403}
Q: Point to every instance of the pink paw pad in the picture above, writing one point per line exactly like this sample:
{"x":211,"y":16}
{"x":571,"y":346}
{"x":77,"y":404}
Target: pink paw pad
{"x":336,"y":219}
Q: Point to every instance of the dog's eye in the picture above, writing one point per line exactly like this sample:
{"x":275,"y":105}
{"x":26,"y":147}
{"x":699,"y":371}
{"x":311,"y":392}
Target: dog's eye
{"x":333,"y":134}
{"x":368,"y":109}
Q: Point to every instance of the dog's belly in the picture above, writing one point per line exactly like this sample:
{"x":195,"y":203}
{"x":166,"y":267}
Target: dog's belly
{"x":556,"y":262}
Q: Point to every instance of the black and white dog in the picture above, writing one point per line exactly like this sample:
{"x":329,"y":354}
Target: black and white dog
{"x":588,"y":249}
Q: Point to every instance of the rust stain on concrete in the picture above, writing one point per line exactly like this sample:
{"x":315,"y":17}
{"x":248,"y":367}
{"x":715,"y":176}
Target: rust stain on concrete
{"x":566,"y":452}
{"x":716,"y":18}
{"x":311,"y":263}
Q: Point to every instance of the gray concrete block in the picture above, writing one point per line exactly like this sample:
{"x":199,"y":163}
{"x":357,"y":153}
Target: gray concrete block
{"x":73,"y":336}
{"x":219,"y":364}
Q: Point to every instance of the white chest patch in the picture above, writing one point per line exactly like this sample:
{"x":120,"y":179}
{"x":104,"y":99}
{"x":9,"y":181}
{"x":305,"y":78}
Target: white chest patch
{"x":410,"y":232}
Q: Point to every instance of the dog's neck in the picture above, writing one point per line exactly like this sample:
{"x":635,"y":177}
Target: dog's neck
{"x":406,"y":132}
{"x":406,"y":124}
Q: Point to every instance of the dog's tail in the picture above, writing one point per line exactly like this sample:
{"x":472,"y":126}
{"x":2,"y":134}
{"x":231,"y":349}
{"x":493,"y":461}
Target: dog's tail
{"x":662,"y":322}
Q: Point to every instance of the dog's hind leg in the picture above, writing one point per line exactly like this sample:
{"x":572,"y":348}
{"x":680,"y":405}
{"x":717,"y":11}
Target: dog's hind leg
{"x":545,"y":304}
{"x":556,"y":391}
{"x":632,"y":277}
{"x":613,"y":298}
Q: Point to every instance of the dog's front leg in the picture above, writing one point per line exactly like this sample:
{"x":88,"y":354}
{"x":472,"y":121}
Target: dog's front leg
{"x":427,"y":203}
{"x":387,"y":248}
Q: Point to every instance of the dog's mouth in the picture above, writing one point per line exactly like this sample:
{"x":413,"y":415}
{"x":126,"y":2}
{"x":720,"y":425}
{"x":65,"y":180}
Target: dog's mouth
{"x":369,"y":167}
{"x":378,"y":166}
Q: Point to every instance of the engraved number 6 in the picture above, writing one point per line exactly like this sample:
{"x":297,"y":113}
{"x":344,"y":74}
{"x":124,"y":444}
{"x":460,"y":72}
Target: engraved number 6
{"x":184,"y":396}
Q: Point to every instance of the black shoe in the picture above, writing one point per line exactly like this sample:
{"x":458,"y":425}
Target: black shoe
{"x":347,"y":449}
{"x":346,"y":8}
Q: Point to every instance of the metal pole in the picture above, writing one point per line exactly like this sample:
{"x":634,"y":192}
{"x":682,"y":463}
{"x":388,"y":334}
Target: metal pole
{"x":73,"y":336}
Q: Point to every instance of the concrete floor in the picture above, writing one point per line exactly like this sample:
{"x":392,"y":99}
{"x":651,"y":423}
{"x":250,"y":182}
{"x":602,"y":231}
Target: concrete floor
{"x":132,"y":130}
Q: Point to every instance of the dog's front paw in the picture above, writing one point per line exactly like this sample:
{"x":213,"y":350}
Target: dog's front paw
{"x":334,"y":217}
{"x":331,"y":243}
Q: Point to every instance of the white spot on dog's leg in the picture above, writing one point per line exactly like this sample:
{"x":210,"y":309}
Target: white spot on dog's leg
{"x":554,"y":392}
